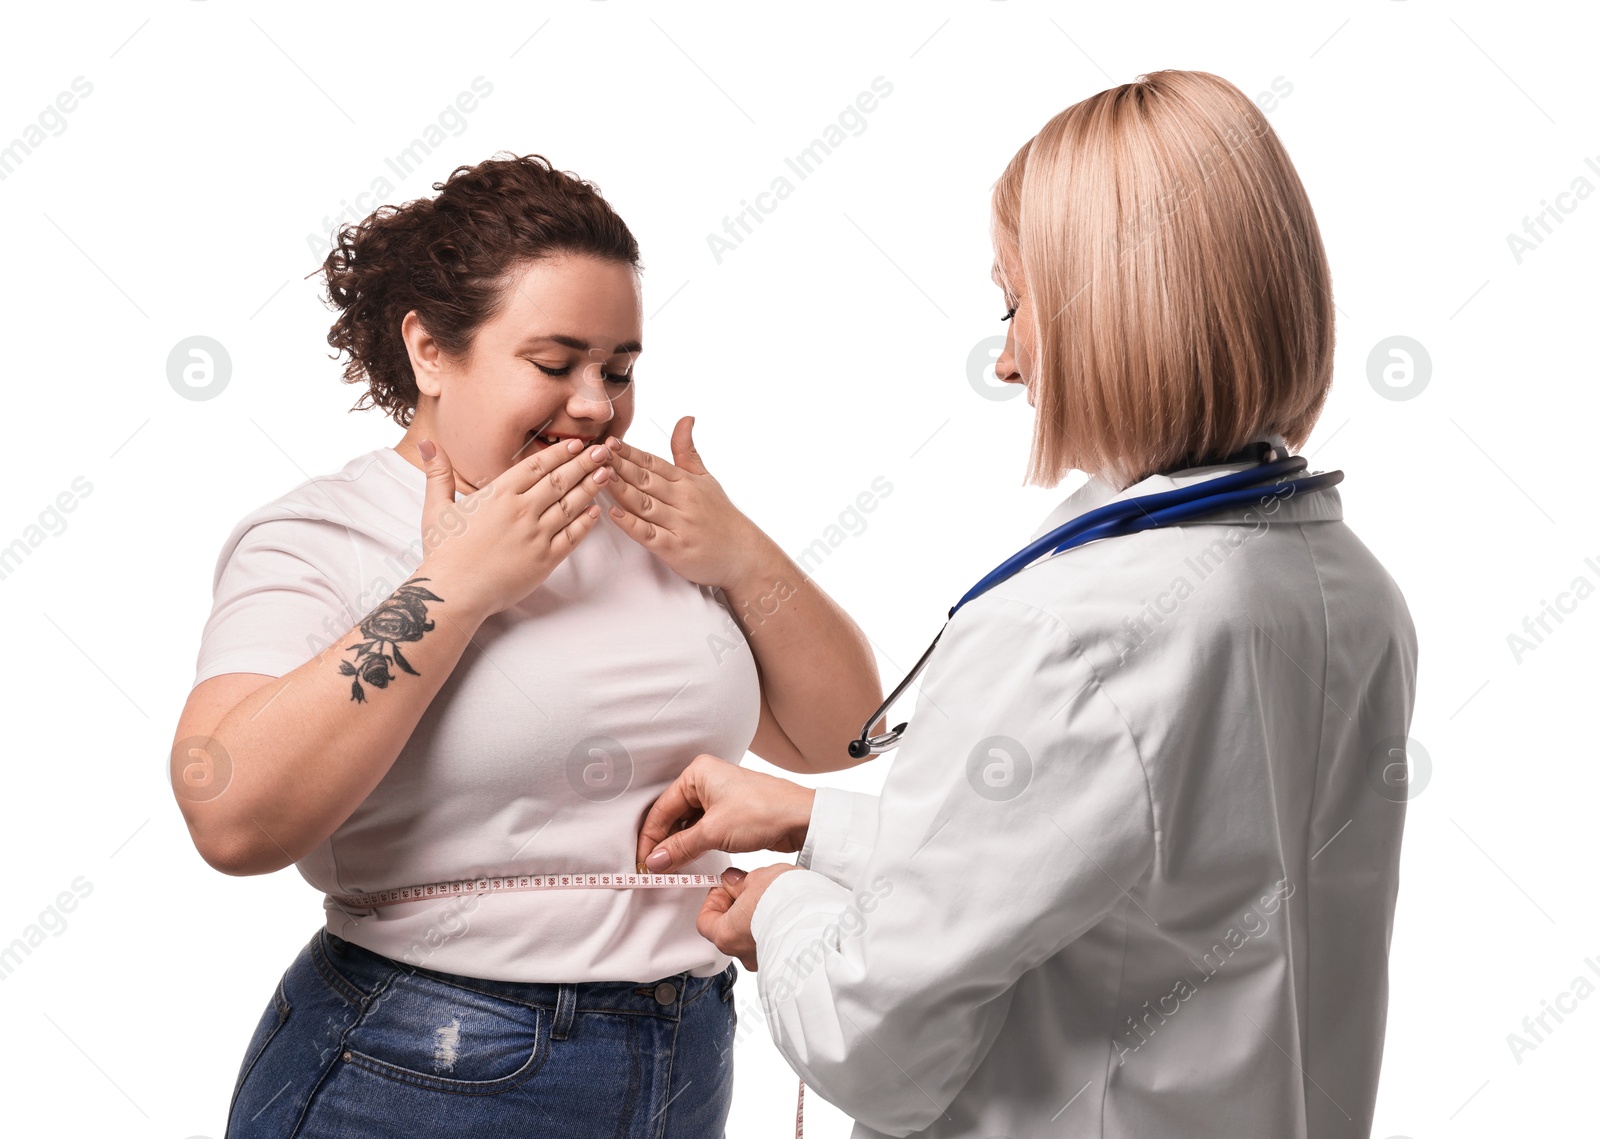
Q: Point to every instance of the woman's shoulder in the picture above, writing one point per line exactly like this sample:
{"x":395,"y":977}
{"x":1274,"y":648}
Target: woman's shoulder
{"x":372,"y":481}
{"x":366,"y":496}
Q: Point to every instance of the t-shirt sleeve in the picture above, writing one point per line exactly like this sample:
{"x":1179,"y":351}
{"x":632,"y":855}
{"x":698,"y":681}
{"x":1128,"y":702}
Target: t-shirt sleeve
{"x":276,"y":602}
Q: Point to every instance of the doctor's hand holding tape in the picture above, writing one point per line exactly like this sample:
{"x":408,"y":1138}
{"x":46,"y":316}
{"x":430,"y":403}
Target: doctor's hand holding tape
{"x":1133,"y":869}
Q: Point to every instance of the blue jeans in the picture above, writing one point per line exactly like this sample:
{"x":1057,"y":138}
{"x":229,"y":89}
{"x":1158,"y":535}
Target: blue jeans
{"x":356,"y":1045}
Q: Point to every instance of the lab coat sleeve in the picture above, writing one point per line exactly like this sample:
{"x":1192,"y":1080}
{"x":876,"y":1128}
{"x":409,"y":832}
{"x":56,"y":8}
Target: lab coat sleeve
{"x":843,"y":829}
{"x":1016,"y":816}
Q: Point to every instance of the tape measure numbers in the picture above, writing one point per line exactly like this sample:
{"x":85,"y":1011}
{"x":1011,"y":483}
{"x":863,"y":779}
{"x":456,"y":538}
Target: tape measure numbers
{"x":513,"y":883}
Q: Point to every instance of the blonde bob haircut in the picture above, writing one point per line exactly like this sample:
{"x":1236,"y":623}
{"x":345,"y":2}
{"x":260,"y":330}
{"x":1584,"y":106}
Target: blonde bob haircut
{"x":1174,"y":278}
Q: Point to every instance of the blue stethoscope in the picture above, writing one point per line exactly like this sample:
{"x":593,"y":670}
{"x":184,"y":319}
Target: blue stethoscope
{"x":1129,"y":516}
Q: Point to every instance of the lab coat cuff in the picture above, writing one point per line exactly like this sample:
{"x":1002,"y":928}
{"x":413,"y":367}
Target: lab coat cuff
{"x":789,"y":899}
{"x":841,"y":835}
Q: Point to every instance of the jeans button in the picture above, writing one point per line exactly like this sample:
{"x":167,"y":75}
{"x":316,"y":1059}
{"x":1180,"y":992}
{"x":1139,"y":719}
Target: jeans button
{"x":666,"y":993}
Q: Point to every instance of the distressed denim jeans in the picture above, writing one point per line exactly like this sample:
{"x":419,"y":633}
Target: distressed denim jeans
{"x":355,"y":1045}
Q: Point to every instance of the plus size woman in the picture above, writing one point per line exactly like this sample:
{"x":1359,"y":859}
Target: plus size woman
{"x":484,"y":651}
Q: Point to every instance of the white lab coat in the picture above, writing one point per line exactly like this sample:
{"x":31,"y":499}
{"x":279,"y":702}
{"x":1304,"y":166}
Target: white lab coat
{"x":1133,"y":870}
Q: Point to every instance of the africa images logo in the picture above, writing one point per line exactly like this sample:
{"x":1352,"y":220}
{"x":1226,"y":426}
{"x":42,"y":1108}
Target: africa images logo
{"x":1252,"y":925}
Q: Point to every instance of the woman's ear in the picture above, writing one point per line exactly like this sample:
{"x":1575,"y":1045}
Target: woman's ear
{"x":424,"y":352}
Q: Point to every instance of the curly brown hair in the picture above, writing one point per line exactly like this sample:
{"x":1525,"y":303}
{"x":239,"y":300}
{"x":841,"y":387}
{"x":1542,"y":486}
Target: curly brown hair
{"x":448,"y":257}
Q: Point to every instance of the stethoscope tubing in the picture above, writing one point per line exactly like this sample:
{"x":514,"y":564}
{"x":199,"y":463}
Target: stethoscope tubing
{"x":1130,"y":516}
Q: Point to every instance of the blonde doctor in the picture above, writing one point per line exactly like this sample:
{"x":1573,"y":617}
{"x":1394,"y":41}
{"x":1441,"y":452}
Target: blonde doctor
{"x":1134,"y":865}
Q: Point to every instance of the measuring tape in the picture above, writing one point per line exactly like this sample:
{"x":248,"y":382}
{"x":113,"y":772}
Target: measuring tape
{"x":512,"y":883}
{"x":470,"y":887}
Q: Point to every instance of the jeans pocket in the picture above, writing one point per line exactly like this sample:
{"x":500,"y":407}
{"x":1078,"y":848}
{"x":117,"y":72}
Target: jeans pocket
{"x":429,"y":1033}
{"x":273,"y":1018}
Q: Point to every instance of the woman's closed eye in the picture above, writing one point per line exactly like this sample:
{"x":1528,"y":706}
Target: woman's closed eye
{"x":611,"y":377}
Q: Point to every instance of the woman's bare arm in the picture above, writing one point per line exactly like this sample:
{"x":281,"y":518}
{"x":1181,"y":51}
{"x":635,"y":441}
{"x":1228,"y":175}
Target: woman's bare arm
{"x":282,"y":762}
{"x":818,"y":677}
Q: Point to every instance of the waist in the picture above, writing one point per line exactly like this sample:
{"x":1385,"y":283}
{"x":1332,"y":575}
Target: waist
{"x":366,"y":970}
{"x":555,"y":936}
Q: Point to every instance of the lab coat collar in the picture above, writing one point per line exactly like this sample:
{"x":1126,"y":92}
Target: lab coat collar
{"x":1322,"y":506}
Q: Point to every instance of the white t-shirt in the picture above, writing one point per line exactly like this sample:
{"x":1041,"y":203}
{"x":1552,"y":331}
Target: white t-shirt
{"x":557,"y":729}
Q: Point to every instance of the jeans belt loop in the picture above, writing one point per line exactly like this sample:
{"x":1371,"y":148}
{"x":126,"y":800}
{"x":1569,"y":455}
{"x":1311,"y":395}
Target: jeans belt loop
{"x":566,"y":1005}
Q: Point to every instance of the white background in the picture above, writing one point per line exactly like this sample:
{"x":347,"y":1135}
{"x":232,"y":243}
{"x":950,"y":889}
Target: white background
{"x":829,"y":348}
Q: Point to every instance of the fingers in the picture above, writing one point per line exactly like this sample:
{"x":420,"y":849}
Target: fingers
{"x":641,"y":490}
{"x":678,"y":801}
{"x":566,"y":463}
{"x":575,"y":501}
{"x":684,"y":452}
{"x":673,"y":804}
{"x":440,"y":490}
{"x":725,"y":923}
{"x":529,"y":469}
{"x":685,"y":802}
{"x":568,"y":537}
{"x":565,"y":488}
{"x":718,"y":902}
{"x":639,"y":514}
{"x":646,"y":471}
{"x":679,"y":848}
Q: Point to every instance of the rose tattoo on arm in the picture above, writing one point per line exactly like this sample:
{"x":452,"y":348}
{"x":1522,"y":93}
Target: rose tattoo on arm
{"x":402,"y":617}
